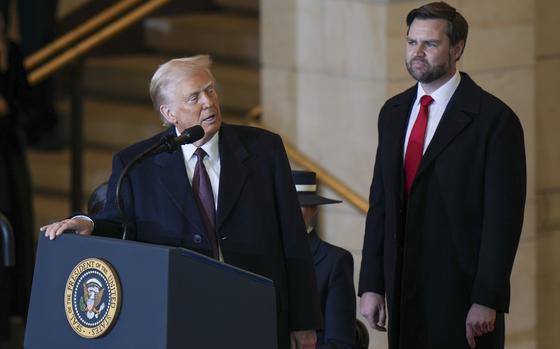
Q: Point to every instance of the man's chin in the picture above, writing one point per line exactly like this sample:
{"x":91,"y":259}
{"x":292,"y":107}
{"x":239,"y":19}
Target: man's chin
{"x":210,"y":129}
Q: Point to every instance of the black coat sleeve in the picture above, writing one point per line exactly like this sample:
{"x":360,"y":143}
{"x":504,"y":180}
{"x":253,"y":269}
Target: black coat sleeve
{"x":340,"y":306}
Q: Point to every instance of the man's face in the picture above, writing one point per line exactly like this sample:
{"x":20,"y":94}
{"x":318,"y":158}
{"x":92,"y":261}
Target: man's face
{"x":308,"y":213}
{"x":192,"y":100}
{"x":429,"y":55}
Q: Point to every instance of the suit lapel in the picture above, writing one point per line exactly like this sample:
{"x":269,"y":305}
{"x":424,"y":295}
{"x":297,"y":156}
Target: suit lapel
{"x":233,"y":172}
{"x":465,"y":101}
{"x":316,"y":250}
{"x":172,"y":175}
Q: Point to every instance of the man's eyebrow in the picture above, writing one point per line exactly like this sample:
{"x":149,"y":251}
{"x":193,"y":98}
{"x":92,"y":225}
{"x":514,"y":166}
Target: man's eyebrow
{"x":434,"y":41}
{"x":203,"y":87}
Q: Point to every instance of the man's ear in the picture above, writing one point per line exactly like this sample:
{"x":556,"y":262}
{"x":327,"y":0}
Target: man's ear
{"x":167,"y":114}
{"x":458,"y":49}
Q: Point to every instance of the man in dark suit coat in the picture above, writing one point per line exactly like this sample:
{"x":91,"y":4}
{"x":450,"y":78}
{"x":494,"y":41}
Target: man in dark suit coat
{"x":441,"y":237}
{"x":258,"y":226}
{"x":334,"y":268}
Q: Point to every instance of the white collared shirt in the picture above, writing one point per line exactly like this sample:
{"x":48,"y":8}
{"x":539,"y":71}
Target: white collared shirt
{"x":211,"y":162}
{"x":441,"y":98}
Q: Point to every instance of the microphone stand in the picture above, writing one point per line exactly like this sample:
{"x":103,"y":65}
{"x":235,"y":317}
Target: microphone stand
{"x":168,"y":144}
{"x":127,"y":168}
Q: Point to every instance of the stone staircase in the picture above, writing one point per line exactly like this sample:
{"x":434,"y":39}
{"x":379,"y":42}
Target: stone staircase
{"x":117,"y":108}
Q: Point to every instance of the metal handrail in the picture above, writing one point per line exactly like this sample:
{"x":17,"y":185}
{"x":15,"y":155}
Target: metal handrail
{"x":84,"y":46}
{"x":7,"y":243}
{"x":90,"y":25}
{"x":75,"y":53}
{"x":323,"y":175}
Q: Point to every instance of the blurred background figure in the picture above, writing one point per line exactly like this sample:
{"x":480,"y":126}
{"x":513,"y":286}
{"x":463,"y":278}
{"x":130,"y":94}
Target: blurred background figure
{"x":15,"y":187}
{"x":32,"y":24}
{"x":97,"y":200}
{"x":334,"y":268}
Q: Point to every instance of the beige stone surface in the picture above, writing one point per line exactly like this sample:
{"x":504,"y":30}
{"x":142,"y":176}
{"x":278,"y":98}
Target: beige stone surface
{"x":337,"y":124}
{"x":272,"y":6}
{"x":513,"y":87}
{"x":548,"y":123}
{"x":342,"y":224}
{"x":354,"y":37}
{"x":315,"y":38}
{"x":547,"y":28}
{"x":549,"y":210}
{"x":548,"y":289}
{"x":497,"y":13}
{"x":499,"y":48}
{"x":279,"y":100}
{"x":520,"y":322}
{"x":278,"y":36}
{"x":397,"y":12}
{"x":396,"y":67}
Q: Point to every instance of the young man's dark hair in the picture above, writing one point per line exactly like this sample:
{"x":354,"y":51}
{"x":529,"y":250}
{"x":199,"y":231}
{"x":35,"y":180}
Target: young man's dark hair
{"x":457,"y":26}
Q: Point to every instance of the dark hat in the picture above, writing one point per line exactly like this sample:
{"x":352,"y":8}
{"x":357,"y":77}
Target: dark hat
{"x":306,"y":187}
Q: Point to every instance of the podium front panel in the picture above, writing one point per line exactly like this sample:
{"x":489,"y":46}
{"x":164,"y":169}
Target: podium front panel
{"x":171,"y":298}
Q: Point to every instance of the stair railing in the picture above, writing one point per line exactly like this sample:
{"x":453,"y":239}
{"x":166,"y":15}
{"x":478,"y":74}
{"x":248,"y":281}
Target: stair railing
{"x":87,"y":27}
{"x":323,"y":176}
{"x":74,"y":54}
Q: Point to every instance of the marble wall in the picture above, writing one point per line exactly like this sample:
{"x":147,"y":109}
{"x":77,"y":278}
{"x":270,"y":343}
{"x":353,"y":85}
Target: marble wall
{"x":329,"y":65}
{"x":548,"y":170}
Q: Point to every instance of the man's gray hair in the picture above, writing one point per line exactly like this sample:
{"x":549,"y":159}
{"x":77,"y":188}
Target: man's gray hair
{"x":170,"y":72}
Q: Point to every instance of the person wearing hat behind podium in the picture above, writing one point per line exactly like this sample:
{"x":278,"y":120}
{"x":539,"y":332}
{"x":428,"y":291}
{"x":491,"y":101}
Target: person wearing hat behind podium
{"x":334,"y":269}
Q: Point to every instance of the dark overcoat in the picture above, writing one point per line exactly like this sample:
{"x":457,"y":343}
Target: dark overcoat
{"x":453,"y":242}
{"x":258,"y":220}
{"x":334,"y":268}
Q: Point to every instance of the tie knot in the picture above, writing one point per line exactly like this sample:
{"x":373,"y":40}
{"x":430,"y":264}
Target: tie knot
{"x":426,"y":100}
{"x":200,"y":153}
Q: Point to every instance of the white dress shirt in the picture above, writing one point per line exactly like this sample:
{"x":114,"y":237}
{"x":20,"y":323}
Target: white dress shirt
{"x":441,"y":98}
{"x":211,"y":162}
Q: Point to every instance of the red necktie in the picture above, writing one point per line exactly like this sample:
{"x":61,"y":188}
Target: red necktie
{"x":415,"y":146}
{"x":205,"y":199}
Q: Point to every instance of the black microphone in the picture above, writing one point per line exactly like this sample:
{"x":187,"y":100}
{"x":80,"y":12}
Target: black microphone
{"x":169,"y":144}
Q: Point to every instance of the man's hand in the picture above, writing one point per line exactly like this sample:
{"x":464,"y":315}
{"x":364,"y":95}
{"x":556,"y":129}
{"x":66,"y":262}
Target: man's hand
{"x":480,"y":320}
{"x":80,"y":226}
{"x":303,"y":339}
{"x":372,"y":307}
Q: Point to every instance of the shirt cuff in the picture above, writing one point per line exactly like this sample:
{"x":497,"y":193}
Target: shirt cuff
{"x":82,"y":217}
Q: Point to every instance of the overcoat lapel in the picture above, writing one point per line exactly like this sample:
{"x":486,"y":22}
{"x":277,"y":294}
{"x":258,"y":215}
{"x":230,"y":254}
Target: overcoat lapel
{"x":233,"y":173}
{"x":395,"y":134}
{"x":172,"y":176}
{"x":456,"y":118}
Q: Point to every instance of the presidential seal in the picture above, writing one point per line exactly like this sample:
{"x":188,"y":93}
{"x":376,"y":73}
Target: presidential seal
{"x":92,"y":298}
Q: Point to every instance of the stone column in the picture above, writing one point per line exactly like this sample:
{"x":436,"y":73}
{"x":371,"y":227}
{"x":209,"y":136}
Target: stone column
{"x":548,"y":172}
